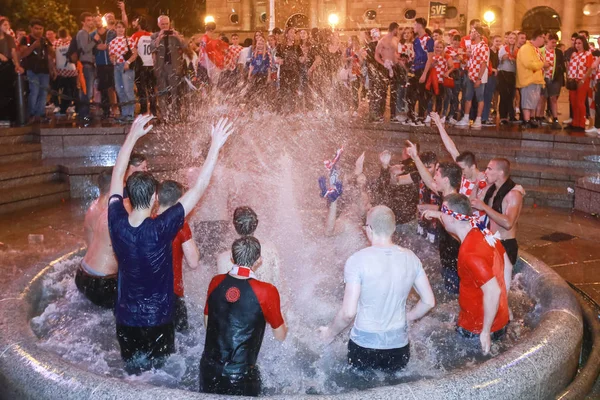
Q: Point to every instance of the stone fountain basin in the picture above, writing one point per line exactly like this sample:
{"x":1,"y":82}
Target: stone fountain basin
{"x":542,"y":364}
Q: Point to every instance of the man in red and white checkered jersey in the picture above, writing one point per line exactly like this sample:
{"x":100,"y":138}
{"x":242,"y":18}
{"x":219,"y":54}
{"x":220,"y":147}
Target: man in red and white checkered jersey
{"x":66,"y":79}
{"x":231,"y":73}
{"x":477,"y":74}
{"x":145,"y":80}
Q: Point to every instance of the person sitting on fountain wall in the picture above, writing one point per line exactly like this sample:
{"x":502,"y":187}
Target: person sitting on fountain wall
{"x":143,"y":248}
{"x":484,"y":271}
{"x":169,"y":192}
{"x":445,"y":182}
{"x":502,"y":203}
{"x":245,"y":222}
{"x":238,"y":305}
{"x":378,"y":281}
{"x":96,"y":277}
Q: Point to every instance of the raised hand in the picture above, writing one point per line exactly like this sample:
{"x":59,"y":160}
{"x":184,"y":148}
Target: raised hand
{"x":138,"y":128}
{"x":359,"y":165}
{"x":220,"y":132}
{"x":411,"y":149}
{"x":385,"y":157}
{"x":435,"y":117}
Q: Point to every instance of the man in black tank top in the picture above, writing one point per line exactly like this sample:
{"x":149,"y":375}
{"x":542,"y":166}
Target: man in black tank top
{"x":237,"y":309}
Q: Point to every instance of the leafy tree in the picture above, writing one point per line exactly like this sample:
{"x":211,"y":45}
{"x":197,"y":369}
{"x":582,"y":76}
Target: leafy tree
{"x":54,"y":13}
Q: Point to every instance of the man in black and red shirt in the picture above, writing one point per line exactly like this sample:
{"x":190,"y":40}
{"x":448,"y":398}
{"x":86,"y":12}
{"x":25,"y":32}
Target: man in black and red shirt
{"x":237,"y":309}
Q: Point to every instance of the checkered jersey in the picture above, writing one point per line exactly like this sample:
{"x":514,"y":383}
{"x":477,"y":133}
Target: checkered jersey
{"x":406,"y":48}
{"x":232,"y":56}
{"x":440,"y":63}
{"x":118,"y":47}
{"x":453,"y":54}
{"x":549,"y":58}
{"x":480,"y":53}
{"x":597,"y":75}
{"x":579,"y":64}
{"x":64,"y":68}
{"x":423,"y":41}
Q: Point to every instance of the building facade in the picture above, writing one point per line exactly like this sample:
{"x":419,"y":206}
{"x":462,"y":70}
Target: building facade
{"x":557,"y":15}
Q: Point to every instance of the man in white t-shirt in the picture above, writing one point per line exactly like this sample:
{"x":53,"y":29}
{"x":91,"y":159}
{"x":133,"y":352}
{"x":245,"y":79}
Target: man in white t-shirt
{"x":378,"y":280}
{"x":145,"y":79}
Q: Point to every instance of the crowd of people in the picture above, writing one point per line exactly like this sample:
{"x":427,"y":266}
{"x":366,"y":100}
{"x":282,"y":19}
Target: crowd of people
{"x":138,"y":239}
{"x":475,"y":80}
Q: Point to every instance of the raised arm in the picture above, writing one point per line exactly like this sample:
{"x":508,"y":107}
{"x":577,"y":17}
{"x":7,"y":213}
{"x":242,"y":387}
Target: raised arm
{"x":138,"y":129}
{"x":491,"y":301}
{"x":448,"y":142}
{"x":220,"y":133}
{"x":426,"y":298}
{"x":423,"y":171}
{"x":124,"y":18}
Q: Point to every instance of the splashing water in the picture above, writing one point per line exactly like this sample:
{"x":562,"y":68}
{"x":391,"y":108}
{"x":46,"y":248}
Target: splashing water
{"x":272,"y":165}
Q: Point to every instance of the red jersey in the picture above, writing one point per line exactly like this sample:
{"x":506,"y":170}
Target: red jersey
{"x":183,"y":236}
{"x":478,"y":262}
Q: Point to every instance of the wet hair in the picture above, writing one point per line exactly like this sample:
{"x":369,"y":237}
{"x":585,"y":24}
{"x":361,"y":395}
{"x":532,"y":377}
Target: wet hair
{"x":503,"y":164}
{"x":169,"y":192}
{"x":393,"y":26}
{"x":62,"y":32}
{"x":245,"y":221}
{"x":245,"y":251}
{"x":586,"y":45}
{"x":466,"y":157}
{"x":456,"y":37}
{"x":104,"y":179}
{"x":136,"y":159}
{"x":451,"y":171}
{"x":553,"y":36}
{"x":537,"y":33}
{"x":421,"y":21}
{"x":84,"y":15}
{"x":429,"y":157}
{"x":459,"y":203}
{"x":36,"y":22}
{"x":141,"y":186}
{"x":382,"y":220}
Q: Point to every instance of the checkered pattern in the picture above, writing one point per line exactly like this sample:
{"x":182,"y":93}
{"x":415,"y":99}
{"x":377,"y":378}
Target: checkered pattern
{"x":467,"y":186}
{"x":406,"y":48}
{"x":597,"y":75}
{"x":453,"y":54}
{"x":62,"y":44}
{"x":550,"y":56}
{"x":579,"y":64}
{"x":118,"y":47}
{"x":480,"y":53}
{"x":423,"y":41}
{"x":440,"y":63}
{"x":232,"y":56}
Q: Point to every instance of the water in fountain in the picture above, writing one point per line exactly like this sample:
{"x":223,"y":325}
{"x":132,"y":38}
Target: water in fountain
{"x":272,"y":165}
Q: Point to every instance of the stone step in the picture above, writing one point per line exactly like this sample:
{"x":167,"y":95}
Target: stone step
{"x":33,"y":195}
{"x":549,"y":196}
{"x":23,"y":173}
{"x":13,"y":153}
{"x":19,"y":139}
{"x":19,"y":131}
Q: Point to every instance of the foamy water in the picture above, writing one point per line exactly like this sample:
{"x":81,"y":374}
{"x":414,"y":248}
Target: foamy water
{"x":272,"y":166}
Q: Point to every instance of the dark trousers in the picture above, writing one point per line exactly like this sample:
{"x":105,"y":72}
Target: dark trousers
{"x":8,"y":78}
{"x":417,"y":93}
{"x":381,"y":87}
{"x":54,"y":95}
{"x":376,"y":85}
{"x":106,"y":81}
{"x":67,"y":86}
{"x":144,"y":348}
{"x":506,"y":88}
{"x":145,"y":81}
{"x":100,"y":290}
{"x":213,"y":380}
{"x":597,"y":101}
{"x":180,"y":315}
{"x":512,"y":249}
{"x":389,"y":360}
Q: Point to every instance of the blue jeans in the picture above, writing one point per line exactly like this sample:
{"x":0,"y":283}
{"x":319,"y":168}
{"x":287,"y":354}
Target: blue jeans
{"x":451,"y":99}
{"x":89,"y":73}
{"x":124,"y":87}
{"x":488,"y":95}
{"x":38,"y":90}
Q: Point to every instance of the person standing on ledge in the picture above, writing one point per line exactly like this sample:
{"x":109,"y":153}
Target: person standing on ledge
{"x":143,"y":247}
{"x":484,"y":272}
{"x":502,"y":203}
{"x":238,"y":306}
{"x":378,"y":280}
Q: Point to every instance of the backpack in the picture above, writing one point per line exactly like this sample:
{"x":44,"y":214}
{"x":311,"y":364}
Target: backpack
{"x":73,"y":51}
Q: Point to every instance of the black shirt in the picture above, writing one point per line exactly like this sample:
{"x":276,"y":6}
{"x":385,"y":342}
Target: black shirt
{"x":291,"y":58}
{"x":401,"y":199}
{"x":37,"y":61}
{"x":494,"y":60}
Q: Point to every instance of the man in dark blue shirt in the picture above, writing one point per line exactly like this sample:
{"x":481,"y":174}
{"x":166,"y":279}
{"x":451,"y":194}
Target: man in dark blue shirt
{"x":423,"y":50}
{"x":143,"y":248}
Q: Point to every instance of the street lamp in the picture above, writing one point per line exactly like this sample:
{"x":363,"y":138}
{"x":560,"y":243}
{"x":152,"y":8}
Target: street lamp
{"x":333,"y":20}
{"x":208,"y":19}
{"x":489,"y":17}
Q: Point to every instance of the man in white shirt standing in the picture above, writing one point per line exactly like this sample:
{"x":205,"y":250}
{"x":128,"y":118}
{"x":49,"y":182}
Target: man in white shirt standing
{"x":145,"y":79}
{"x":378,"y":280}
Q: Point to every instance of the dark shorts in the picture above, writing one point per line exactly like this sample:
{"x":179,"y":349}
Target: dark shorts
{"x":512,"y":249}
{"x":100,"y":290}
{"x":180,"y":316}
{"x":144,"y":348}
{"x":389,"y":360}
{"x":106,"y":76}
{"x":497,"y":335}
{"x":213,"y":380}
{"x":552,"y":88}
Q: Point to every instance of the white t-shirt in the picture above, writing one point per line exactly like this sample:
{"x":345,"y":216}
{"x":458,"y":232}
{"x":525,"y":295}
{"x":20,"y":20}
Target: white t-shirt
{"x":386,"y":276}
{"x":244,"y":55}
{"x":143,"y":48}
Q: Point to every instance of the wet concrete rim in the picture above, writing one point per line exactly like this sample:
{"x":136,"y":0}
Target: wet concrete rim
{"x":540,"y":366}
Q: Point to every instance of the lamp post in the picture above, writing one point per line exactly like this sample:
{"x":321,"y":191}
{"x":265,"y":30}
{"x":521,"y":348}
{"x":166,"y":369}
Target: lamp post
{"x":489,"y":17}
{"x":208,"y":19}
{"x":333,"y":20}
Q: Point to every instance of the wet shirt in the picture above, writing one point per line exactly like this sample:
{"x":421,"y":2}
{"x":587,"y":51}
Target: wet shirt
{"x":291,"y":58}
{"x":478,"y":262}
{"x":238,"y":310}
{"x":386,"y":277}
{"x":422,"y":47}
{"x":183,"y":236}
{"x":401,"y":199}
{"x":145,"y":258}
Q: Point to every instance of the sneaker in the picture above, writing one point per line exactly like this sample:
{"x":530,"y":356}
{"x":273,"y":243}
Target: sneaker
{"x":417,"y":122}
{"x":394,"y":121}
{"x":464,"y":122}
{"x":592,"y":131}
{"x":533,"y":124}
{"x":516,"y":121}
{"x":453,"y":121}
{"x":4,"y":123}
{"x":568,"y":121}
{"x":488,"y":123}
{"x":477,"y":123}
{"x":407,"y":122}
{"x":428,"y":120}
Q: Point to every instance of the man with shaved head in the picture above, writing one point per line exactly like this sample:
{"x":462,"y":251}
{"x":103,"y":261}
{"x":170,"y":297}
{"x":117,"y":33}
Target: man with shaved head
{"x":378,"y":280}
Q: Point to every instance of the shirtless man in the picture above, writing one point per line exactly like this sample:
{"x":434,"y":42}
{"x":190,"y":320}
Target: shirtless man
{"x":96,"y":277}
{"x":386,"y":55}
{"x":502,"y":204}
